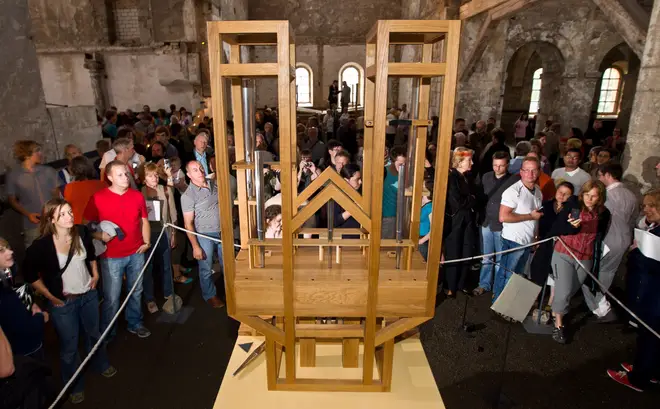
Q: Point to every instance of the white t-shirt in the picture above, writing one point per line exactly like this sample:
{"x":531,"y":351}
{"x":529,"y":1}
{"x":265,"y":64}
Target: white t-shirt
{"x":577,"y":177}
{"x":110,"y":155}
{"x":522,"y":201}
{"x":76,"y":278}
{"x":390,"y":129}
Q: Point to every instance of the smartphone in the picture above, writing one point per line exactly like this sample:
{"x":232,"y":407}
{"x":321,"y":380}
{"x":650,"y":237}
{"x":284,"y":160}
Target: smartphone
{"x":166,"y":163}
{"x":575,"y":214}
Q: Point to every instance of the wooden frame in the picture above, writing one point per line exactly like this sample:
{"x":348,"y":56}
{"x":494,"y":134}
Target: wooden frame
{"x":362,"y":284}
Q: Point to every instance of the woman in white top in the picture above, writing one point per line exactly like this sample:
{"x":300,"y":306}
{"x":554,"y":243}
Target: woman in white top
{"x":61,"y":265}
{"x":161,"y":209}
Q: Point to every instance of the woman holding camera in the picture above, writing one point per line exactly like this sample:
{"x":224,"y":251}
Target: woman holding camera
{"x":582,"y":235}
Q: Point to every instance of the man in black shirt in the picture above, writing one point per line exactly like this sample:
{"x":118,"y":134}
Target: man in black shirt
{"x":493,"y":183}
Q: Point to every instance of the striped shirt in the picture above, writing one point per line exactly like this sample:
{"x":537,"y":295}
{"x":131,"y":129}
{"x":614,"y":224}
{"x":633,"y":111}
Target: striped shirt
{"x":203,"y":201}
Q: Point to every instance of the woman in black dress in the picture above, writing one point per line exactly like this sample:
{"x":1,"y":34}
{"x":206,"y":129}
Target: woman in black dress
{"x":459,"y":236}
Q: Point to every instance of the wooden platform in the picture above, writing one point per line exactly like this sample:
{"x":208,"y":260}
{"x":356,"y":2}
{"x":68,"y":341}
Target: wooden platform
{"x":413,"y":386}
{"x":343,"y":287}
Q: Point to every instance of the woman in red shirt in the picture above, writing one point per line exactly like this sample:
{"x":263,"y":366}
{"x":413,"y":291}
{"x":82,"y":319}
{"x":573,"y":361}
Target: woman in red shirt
{"x":583,"y":234}
{"x":83,"y":186}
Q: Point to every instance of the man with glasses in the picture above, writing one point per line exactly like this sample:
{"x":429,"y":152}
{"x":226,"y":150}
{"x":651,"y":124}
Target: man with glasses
{"x":519,"y":215}
{"x":572,"y":172}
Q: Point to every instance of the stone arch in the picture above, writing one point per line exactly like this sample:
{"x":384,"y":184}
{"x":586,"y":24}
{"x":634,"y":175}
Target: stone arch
{"x":518,"y":81}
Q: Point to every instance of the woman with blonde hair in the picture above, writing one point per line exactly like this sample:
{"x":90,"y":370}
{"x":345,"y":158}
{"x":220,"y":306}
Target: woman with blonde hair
{"x":460,"y":227}
{"x":62,"y":266}
{"x":161,"y":210}
{"x":582,"y":235}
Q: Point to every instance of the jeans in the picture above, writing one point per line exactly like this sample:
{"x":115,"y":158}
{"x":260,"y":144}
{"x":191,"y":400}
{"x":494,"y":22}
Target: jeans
{"x":509,"y":263}
{"x":163,"y":254}
{"x":424,"y":250}
{"x":491,"y":242}
{"x":205,"y":279}
{"x":113,"y":273}
{"x":76,"y":314}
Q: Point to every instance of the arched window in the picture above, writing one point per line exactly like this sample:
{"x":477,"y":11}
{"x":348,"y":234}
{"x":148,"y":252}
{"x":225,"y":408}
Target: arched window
{"x":304,"y":88}
{"x":536,"y":92}
{"x":353,"y":74}
{"x":610,"y":93}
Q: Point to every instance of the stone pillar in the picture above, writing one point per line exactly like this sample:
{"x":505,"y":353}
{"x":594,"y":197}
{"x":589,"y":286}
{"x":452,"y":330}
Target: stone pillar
{"x":577,"y":98}
{"x":96,"y":73}
{"x":642,"y":148}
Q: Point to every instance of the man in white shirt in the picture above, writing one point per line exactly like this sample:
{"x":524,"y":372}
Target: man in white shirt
{"x":135,"y":160}
{"x":519,"y":215}
{"x":572,"y":172}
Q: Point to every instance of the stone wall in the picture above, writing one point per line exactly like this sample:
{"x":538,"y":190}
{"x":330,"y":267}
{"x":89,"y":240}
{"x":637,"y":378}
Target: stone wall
{"x":317,"y":21}
{"x":24,"y":114}
{"x":575,"y":31}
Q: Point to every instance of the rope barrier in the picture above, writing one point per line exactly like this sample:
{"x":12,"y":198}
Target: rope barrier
{"x":132,"y":290}
{"x":112,"y":323}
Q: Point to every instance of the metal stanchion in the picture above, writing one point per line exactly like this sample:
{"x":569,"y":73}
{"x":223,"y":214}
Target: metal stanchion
{"x":331,"y":225}
{"x":248,"y":129}
{"x":400,"y":211}
{"x":259,"y":194}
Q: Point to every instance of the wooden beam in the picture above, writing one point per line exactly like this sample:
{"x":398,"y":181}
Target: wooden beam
{"x":415,"y":26}
{"x":397,"y":328}
{"x":415,"y":69}
{"x":330,"y":331}
{"x":242,"y":164}
{"x":222,"y":162}
{"x":249,"y":27}
{"x":441,"y":170}
{"x":351,"y":347}
{"x":331,"y":192}
{"x":475,"y":7}
{"x":328,"y":175}
{"x":369,"y":98}
{"x":249,"y":70}
{"x":270,"y":331}
{"x":287,"y":129}
{"x":377,"y":146}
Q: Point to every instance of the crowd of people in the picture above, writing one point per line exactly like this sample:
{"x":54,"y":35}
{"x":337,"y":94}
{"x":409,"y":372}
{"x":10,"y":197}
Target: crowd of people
{"x":89,"y":227}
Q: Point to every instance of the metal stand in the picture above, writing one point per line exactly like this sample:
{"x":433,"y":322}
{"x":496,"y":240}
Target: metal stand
{"x":535,"y":326}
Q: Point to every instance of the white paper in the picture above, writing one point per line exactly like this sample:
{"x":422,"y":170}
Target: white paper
{"x":517,"y":298}
{"x":648,"y":244}
{"x":153,"y":210}
{"x":605,"y":250}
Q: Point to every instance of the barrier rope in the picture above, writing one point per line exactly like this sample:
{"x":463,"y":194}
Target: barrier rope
{"x":153,"y":247}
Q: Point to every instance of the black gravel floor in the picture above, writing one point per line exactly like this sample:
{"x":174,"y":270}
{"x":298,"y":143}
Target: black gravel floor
{"x":181,"y":366}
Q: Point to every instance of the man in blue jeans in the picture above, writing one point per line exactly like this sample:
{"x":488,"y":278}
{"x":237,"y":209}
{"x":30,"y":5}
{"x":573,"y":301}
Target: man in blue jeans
{"x":493,"y":184}
{"x":200,"y":214}
{"x":126,"y":208}
{"x":519,"y":214}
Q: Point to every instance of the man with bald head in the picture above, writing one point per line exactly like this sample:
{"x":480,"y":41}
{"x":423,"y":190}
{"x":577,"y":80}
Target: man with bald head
{"x":200,"y":214}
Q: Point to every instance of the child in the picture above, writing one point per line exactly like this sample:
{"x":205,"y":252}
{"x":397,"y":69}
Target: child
{"x":273,"y":215}
{"x":425,"y":219}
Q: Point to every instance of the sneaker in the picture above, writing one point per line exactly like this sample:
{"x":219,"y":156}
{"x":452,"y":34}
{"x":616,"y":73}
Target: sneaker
{"x":628,"y":368}
{"x":558,"y":335}
{"x":152,"y":307}
{"x":77,"y":397}
{"x":140,"y":331}
{"x":479,"y":291}
{"x":622,"y":378}
{"x":110,"y":372}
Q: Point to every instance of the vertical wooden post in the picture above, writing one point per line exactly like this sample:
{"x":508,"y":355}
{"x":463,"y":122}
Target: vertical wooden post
{"x":287,"y":124}
{"x":307,"y":347}
{"x":452,"y":40}
{"x":271,"y":364}
{"x":222,"y":164}
{"x":380,"y":112}
{"x":420,"y":156}
{"x":350,"y":349}
{"x":368,"y":152}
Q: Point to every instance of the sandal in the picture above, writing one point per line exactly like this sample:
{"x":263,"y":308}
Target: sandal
{"x":478,"y":291}
{"x":182,"y":280}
